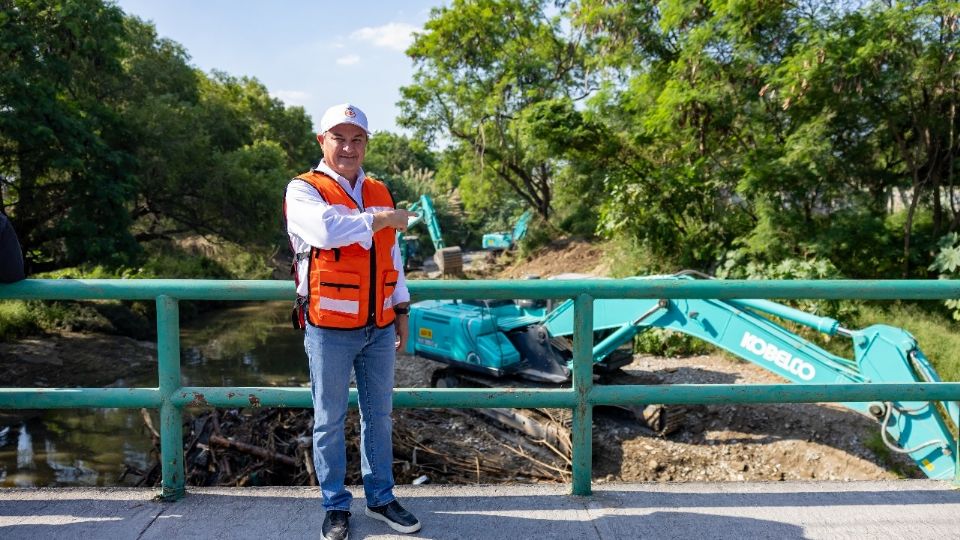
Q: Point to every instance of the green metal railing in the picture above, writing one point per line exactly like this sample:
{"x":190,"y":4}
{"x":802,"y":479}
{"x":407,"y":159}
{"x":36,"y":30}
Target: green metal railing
{"x":171,"y":398}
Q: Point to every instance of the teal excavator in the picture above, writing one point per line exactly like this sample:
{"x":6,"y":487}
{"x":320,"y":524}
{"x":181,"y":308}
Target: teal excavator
{"x":449,"y":259}
{"x":484,"y":342}
{"x":501,"y":241}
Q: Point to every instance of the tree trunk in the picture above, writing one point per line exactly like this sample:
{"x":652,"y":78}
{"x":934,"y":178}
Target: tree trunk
{"x":908,"y":227}
{"x":937,"y":206}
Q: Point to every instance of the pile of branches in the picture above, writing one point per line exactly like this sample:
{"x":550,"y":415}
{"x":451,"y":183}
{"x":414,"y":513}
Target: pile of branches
{"x":272,"y":446}
{"x":458,"y":447}
{"x":239,"y":447}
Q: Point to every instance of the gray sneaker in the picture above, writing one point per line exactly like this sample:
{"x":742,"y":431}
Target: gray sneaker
{"x":395,"y":516}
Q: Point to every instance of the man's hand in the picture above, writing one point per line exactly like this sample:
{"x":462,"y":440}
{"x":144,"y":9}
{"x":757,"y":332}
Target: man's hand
{"x":396,"y":219}
{"x":401,"y":323}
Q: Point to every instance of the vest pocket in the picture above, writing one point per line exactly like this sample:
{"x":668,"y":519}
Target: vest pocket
{"x":389,"y":284}
{"x":338,"y":294}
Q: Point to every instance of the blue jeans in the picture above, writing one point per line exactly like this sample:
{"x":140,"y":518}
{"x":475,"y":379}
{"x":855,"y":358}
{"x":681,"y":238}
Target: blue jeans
{"x":371,"y":352}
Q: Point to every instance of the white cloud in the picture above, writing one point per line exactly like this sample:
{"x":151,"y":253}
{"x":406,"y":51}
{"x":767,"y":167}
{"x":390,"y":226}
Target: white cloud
{"x":397,"y":36}
{"x":348,"y":60}
{"x":291,"y":97}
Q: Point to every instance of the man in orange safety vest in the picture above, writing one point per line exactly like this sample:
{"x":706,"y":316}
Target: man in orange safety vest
{"x":352,"y":304}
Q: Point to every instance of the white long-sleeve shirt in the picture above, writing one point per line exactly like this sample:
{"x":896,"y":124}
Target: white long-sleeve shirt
{"x":313,"y":222}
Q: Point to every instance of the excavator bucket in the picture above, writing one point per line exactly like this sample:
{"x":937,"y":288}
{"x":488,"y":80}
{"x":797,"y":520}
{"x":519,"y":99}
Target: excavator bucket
{"x":449,"y":261}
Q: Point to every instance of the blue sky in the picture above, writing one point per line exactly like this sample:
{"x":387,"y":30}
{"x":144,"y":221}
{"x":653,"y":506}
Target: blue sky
{"x":314,"y":54}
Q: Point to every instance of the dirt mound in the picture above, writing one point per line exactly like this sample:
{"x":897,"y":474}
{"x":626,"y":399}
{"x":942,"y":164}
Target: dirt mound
{"x":560,"y":257}
{"x":743,"y":442}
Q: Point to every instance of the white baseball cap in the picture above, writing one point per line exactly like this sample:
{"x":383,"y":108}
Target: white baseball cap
{"x":344,"y":113}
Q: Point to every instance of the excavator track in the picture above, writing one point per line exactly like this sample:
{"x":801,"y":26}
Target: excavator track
{"x":552,"y":427}
{"x":661,"y":420}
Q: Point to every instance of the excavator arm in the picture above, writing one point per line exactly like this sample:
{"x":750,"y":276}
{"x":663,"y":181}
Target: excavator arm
{"x":882,"y":354}
{"x":449,"y":259}
{"x":498,"y":241}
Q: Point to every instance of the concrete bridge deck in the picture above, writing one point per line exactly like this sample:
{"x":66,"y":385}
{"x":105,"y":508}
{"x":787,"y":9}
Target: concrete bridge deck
{"x":890,"y":509}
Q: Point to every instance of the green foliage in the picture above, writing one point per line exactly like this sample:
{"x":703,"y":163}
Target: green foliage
{"x":683,"y":121}
{"x":24,"y":318}
{"x":16,"y":320}
{"x":216,"y":161}
{"x":407,"y":186}
{"x":109,"y":139}
{"x":947,"y":263}
{"x":486,"y":204}
{"x":208,"y":260}
{"x":789,"y":131}
{"x":65,"y":161}
{"x":662,"y":342}
{"x":482,"y":69}
{"x":71,"y":316}
{"x":390,"y":154}
{"x":947,"y":260}
{"x":165,"y":260}
{"x":539,"y":234}
{"x":243,"y":263}
{"x":168,"y":265}
{"x":633,"y":258}
{"x":555,"y":131}
{"x":740,"y":265}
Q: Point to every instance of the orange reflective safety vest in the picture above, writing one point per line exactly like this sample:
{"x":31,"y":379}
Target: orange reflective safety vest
{"x":351,"y":287}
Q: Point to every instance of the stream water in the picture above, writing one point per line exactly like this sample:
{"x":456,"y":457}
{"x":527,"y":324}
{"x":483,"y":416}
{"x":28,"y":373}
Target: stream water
{"x":247,"y":345}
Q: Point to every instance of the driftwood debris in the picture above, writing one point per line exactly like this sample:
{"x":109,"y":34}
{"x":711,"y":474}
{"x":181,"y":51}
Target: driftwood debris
{"x":148,"y":421}
{"x":253,"y":450}
{"x":265,"y":446}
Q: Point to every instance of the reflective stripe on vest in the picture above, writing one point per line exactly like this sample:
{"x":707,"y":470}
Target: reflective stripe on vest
{"x":350,"y":287}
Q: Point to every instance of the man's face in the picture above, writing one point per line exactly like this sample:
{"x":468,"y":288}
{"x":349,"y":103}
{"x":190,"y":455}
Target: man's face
{"x":344,"y":147}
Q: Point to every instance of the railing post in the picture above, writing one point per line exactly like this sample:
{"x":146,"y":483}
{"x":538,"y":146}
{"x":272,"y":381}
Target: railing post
{"x":582,"y":385}
{"x":171,"y":416}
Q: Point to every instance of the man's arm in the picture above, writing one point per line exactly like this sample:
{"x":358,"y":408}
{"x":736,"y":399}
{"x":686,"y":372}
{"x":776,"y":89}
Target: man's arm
{"x":321,"y":225}
{"x":397,"y":219}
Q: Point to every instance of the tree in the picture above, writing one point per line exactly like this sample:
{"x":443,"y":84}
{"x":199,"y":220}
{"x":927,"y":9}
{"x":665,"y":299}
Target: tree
{"x":480,"y":64}
{"x":191,"y":151}
{"x":679,"y":96}
{"x":108,"y":137}
{"x":65,"y":162}
{"x":885,"y":80}
{"x":391,"y":154}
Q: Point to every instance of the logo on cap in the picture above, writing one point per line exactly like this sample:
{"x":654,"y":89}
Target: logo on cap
{"x":349,"y":112}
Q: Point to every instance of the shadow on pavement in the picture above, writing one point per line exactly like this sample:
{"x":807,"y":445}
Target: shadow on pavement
{"x":463,"y":512}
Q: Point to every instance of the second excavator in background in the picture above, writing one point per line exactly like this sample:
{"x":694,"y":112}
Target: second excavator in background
{"x":502,"y":241}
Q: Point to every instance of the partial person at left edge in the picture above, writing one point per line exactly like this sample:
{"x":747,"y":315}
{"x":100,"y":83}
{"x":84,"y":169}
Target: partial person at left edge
{"x":11,"y":257}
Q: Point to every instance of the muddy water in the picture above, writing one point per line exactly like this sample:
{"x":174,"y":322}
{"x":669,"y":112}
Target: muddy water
{"x":248,"y":345}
